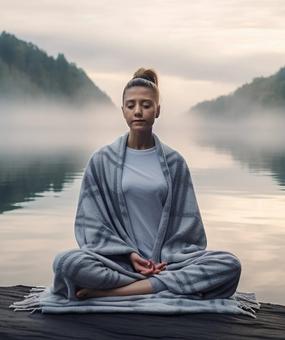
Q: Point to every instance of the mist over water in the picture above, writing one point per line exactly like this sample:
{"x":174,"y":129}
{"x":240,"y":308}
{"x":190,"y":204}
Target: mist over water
{"x":255,"y":140}
{"x":261,"y":128}
{"x":237,"y":167}
{"x":45,"y":125}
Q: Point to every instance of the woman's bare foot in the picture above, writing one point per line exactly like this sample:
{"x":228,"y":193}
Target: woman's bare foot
{"x":85,"y":293}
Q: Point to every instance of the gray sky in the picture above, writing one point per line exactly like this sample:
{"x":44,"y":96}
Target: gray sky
{"x":199,"y":49}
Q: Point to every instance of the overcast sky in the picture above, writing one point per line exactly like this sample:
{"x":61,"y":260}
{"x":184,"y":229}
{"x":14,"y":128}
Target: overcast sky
{"x":200,"y":49}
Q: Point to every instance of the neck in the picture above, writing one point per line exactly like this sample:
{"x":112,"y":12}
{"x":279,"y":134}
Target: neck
{"x":140,"y":139}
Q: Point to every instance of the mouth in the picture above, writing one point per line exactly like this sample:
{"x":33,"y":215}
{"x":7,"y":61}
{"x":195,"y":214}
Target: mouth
{"x":138,"y":121}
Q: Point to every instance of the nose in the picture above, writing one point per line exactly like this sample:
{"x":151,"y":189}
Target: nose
{"x":138,"y":110}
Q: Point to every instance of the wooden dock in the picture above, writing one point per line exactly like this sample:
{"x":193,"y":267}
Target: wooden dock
{"x":269,"y":324}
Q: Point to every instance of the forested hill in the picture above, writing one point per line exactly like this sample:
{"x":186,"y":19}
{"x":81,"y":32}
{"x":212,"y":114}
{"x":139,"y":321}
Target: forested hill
{"x":28,"y":72}
{"x":263,"y":93}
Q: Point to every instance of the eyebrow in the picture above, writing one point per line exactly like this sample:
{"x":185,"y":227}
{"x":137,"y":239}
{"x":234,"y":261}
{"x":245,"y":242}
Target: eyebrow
{"x":144,"y":100}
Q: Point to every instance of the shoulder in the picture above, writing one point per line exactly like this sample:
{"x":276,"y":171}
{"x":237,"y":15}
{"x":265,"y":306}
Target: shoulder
{"x":172,"y":155}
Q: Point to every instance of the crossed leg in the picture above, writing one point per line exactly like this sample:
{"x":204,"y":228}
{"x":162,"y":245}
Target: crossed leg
{"x":208,"y":274}
{"x":75,"y":269}
{"x":211,"y":274}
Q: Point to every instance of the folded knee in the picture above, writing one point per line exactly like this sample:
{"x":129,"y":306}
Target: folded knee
{"x":234,"y":263}
{"x":225,"y":258}
{"x":61,"y":259}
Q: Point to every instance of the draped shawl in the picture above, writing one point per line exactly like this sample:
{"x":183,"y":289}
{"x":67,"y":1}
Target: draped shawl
{"x":103,"y":227}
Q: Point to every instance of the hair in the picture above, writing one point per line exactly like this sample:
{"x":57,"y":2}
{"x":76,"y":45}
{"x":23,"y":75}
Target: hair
{"x":144,"y":77}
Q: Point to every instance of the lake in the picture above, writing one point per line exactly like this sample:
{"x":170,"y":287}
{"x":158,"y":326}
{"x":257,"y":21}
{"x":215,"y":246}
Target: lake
{"x":238,"y":175}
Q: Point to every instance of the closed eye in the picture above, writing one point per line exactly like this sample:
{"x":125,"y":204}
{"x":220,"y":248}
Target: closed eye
{"x":145,"y":106}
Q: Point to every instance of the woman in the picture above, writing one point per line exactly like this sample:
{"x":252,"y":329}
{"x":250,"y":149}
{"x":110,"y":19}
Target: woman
{"x":154,"y":186}
{"x":141,"y":237}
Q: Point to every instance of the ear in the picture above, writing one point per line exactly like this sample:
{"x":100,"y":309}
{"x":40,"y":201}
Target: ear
{"x":158,"y":111}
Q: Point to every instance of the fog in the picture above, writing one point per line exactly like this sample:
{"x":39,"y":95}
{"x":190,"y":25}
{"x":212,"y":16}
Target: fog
{"x":45,"y":125}
{"x":262,"y":128}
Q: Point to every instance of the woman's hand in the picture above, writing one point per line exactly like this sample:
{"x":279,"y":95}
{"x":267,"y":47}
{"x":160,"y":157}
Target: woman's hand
{"x":146,"y":267}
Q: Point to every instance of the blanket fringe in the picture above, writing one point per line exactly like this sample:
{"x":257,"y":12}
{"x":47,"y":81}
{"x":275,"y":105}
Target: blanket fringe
{"x":31,"y":301}
{"x":248,"y":303}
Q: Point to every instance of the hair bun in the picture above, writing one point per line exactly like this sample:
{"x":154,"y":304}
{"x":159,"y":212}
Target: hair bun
{"x":148,"y":74}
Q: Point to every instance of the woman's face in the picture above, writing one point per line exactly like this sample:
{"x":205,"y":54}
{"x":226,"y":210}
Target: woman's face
{"x":140,"y":104}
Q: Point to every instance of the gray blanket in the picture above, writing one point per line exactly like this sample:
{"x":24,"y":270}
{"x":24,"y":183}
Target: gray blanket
{"x":197,"y":280}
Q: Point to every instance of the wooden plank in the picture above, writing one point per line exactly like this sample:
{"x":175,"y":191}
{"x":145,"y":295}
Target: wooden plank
{"x":269,"y":324}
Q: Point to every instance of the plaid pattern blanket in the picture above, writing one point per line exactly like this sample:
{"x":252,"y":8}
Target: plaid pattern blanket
{"x":198,"y":280}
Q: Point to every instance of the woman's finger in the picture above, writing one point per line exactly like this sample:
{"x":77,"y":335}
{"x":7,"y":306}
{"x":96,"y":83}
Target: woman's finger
{"x":151,"y":268}
{"x":146,"y":265}
{"x":143,"y":261}
{"x":147,"y":271}
{"x":159,"y":265}
{"x":162,"y":267}
{"x":140,"y":267}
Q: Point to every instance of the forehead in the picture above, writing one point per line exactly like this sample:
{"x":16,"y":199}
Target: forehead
{"x":139,"y":92}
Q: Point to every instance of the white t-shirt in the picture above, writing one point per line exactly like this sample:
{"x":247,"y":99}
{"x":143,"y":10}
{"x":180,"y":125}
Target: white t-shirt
{"x":145,"y":190}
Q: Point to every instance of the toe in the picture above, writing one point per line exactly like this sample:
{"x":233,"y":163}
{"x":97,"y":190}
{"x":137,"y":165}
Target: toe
{"x":82,"y":293}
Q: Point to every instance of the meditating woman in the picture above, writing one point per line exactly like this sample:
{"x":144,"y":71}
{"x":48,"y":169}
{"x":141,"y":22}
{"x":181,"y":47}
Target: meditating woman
{"x":138,"y":224}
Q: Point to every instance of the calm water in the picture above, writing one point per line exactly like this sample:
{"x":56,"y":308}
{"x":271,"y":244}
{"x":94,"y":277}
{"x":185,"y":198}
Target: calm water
{"x":239,"y":183}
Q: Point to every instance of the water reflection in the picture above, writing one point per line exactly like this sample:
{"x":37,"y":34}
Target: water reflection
{"x":43,"y":147}
{"x":257,"y":142}
{"x":26,"y":177}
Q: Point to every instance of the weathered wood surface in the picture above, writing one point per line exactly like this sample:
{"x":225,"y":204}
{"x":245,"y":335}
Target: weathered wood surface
{"x":269,"y":324}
